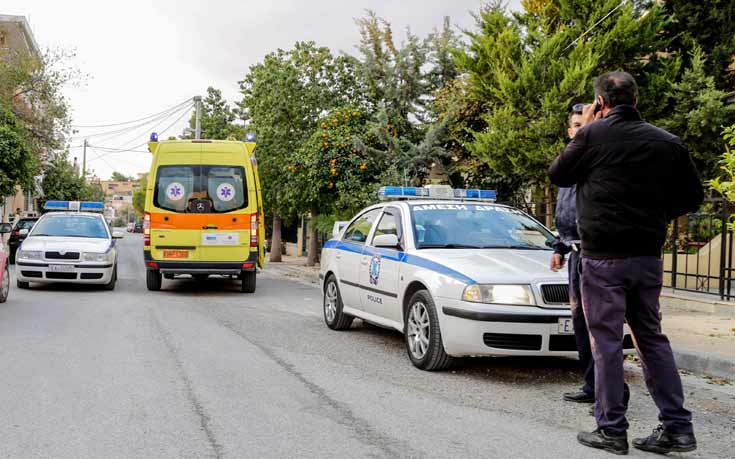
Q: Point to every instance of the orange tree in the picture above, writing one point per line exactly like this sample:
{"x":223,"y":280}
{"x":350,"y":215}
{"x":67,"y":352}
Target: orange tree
{"x":336,"y":172}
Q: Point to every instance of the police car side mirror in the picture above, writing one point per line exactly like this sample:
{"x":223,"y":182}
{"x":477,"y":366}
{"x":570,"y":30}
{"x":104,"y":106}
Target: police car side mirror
{"x":386,"y":241}
{"x":6,"y":228}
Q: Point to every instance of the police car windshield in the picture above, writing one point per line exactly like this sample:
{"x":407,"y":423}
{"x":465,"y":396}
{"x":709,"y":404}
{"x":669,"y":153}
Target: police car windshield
{"x":477,"y":226}
{"x":64,"y":225}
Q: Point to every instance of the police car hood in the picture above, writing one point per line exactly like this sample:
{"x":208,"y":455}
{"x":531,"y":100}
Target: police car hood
{"x":67,"y":244}
{"x":498,"y":265}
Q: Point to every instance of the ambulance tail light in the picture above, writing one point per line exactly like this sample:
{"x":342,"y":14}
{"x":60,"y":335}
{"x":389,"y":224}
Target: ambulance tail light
{"x":254,"y":220}
{"x":147,"y":229}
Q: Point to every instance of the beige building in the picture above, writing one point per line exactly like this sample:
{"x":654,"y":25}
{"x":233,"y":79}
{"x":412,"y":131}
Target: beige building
{"x":16,"y":38}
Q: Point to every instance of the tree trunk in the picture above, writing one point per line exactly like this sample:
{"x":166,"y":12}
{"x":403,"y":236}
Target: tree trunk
{"x":312,"y":256}
{"x":276,"y":240}
{"x":549,"y":206}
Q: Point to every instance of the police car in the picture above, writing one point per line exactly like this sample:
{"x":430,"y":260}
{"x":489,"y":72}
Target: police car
{"x":71,"y":243}
{"x":456,"y":273}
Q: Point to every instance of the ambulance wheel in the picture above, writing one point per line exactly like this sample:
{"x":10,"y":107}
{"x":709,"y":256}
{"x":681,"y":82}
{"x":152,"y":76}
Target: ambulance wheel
{"x":248,"y":281}
{"x":334,"y":317}
{"x":423,"y":336}
{"x":153,"y":280}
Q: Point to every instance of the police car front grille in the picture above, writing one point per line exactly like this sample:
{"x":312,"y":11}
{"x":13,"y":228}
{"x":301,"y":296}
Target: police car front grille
{"x":512,"y":341}
{"x":555,"y":293}
{"x":65,"y":256}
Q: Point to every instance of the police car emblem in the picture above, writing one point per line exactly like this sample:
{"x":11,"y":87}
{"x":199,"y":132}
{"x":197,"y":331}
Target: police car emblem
{"x":375,"y":270}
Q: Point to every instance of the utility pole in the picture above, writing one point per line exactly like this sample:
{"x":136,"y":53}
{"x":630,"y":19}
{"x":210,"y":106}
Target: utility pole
{"x":198,"y":125}
{"x":84,"y":160}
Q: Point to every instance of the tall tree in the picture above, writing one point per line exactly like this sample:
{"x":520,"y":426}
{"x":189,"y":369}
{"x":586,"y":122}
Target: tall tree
{"x":62,"y":182}
{"x":18,"y":164}
{"x":284,"y":97}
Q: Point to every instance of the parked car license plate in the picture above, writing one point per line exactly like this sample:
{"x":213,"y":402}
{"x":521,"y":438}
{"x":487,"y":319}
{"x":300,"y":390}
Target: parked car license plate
{"x":175,"y":254}
{"x":61,"y":268}
{"x":566,"y":327}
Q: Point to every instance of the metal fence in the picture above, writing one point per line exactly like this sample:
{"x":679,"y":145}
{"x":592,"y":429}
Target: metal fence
{"x":698,"y":253}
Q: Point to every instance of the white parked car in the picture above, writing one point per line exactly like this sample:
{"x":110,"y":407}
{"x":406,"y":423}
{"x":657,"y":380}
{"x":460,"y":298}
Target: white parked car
{"x":458,"y":276}
{"x":69,"y":246}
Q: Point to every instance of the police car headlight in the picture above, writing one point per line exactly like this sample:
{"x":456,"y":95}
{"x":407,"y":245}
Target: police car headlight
{"x":96,"y":257}
{"x":499,"y":294}
{"x":29,"y":255}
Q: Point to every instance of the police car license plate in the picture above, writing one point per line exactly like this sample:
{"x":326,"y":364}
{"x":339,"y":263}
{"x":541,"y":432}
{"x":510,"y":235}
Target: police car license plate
{"x":61,"y":268}
{"x":175,"y":254}
{"x":566,"y":327}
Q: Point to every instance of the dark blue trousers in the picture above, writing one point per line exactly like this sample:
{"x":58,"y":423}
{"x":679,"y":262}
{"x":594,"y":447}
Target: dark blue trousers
{"x":619,"y":289}
{"x":581,"y":335}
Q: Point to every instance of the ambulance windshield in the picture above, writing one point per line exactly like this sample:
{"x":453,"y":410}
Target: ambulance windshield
{"x":478,"y":226}
{"x":200,"y":189}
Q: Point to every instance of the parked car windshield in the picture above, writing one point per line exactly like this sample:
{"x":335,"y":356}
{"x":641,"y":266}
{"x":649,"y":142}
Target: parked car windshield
{"x":466,"y":225}
{"x":200,"y":189}
{"x":70,"y":226}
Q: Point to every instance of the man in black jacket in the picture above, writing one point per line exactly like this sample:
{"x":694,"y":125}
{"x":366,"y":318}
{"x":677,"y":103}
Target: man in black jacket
{"x":632,"y":179}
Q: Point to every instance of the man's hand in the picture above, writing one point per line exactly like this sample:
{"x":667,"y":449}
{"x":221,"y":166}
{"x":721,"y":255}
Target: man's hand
{"x":589,"y":115}
{"x":557,"y":262}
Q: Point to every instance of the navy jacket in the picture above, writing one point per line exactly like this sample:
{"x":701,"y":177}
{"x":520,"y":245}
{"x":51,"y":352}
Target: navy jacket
{"x":566,"y":219}
{"x":632,"y":179}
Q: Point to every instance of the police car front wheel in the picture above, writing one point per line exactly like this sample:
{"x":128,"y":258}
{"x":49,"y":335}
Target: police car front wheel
{"x":423,"y":336}
{"x":334,"y":316}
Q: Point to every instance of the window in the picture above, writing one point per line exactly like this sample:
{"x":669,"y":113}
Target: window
{"x":71,"y":226}
{"x":201,"y":189}
{"x":389,"y":224}
{"x":477,"y":226}
{"x":358,"y":231}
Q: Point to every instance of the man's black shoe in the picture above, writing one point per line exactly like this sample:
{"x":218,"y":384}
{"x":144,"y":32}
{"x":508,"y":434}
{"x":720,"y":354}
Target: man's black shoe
{"x":578,"y":397}
{"x":599,"y":439}
{"x":663,"y":442}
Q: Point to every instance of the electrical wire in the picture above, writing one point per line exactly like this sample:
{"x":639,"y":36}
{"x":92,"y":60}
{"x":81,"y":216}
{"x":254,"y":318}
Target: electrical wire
{"x":128,"y":122}
{"x":156,"y":127}
{"x":595,"y":25}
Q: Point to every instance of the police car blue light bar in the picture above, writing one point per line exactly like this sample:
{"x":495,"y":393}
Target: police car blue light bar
{"x":436,"y":192}
{"x":80,"y":206}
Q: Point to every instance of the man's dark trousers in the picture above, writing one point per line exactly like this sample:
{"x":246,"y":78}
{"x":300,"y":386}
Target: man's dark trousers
{"x":615,"y":289}
{"x":581,"y":335}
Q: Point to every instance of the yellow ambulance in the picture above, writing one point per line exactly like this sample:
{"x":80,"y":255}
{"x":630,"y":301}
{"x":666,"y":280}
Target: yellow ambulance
{"x":203,"y":212}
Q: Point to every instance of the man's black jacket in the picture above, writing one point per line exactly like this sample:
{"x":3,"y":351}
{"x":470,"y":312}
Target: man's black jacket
{"x":632,"y":179}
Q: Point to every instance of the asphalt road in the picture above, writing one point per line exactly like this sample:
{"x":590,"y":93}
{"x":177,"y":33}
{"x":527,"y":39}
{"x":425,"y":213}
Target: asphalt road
{"x":205,"y":371}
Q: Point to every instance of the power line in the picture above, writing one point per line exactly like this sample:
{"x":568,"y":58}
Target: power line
{"x":159,"y":122}
{"x":595,"y":25}
{"x":128,"y":122}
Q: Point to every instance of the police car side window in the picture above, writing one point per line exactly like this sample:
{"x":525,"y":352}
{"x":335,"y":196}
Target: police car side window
{"x":389,"y":224}
{"x":358,"y":231}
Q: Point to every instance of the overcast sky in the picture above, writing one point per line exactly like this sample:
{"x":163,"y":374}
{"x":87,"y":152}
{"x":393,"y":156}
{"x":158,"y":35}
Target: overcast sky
{"x":143,"y":57}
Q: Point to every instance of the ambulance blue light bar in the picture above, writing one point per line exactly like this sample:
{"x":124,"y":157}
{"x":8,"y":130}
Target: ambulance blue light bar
{"x":436,"y":192}
{"x":78,"y":206}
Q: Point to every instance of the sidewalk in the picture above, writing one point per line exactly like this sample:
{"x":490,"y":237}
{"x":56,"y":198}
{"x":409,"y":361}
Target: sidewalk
{"x":701,"y":328}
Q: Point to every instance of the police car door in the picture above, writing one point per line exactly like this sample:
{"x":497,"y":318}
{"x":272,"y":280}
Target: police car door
{"x":380,"y":269}
{"x":348,"y":253}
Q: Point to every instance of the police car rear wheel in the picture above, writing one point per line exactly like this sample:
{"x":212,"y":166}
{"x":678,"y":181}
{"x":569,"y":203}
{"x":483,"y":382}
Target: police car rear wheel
{"x":423,"y":337}
{"x":334,"y":317}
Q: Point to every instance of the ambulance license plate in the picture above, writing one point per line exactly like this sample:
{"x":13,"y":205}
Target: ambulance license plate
{"x":566,"y":327}
{"x":61,"y":268}
{"x":175,"y":254}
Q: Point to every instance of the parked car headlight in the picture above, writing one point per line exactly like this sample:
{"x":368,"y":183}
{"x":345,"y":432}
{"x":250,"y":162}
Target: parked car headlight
{"x":499,"y":294}
{"x":96,"y":257}
{"x":29,"y":255}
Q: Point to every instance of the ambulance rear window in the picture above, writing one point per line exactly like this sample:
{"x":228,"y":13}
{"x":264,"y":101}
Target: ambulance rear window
{"x":200,"y":189}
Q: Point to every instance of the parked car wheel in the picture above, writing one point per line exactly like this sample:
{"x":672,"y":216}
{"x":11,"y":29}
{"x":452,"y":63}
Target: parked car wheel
{"x":5,"y":286}
{"x":153,"y":280}
{"x":334,"y":316}
{"x":423,"y":336}
{"x":248,"y":281}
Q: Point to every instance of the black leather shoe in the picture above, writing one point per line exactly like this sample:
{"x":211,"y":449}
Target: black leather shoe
{"x":663,"y":442}
{"x":578,"y":397}
{"x":600,"y":440}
